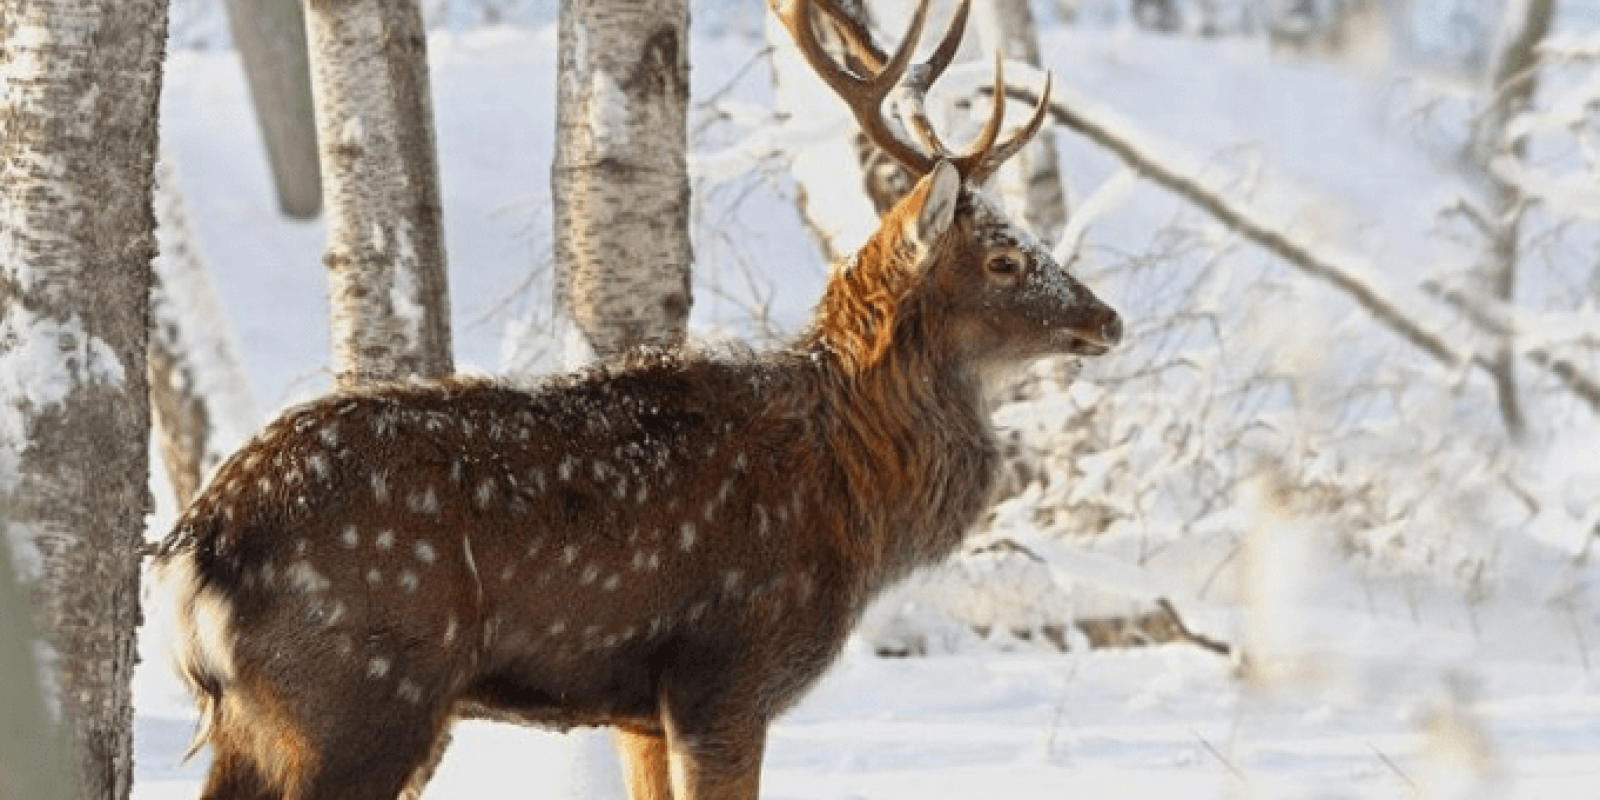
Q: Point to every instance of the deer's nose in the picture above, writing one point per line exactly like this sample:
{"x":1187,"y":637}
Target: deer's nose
{"x":1111,"y":328}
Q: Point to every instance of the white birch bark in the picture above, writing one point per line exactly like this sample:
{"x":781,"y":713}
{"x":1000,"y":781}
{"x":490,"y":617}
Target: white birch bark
{"x":369,"y":77}
{"x":79,"y":85}
{"x":620,"y":178}
{"x":270,"y":36}
{"x":202,"y":403}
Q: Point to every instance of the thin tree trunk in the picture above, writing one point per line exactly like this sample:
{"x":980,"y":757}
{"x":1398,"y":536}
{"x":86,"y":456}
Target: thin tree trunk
{"x":391,"y":306}
{"x":79,"y":85}
{"x":270,"y":36}
{"x":838,"y":223}
{"x":1030,"y":182}
{"x":1512,"y":88}
{"x":200,"y":397}
{"x":620,"y":180}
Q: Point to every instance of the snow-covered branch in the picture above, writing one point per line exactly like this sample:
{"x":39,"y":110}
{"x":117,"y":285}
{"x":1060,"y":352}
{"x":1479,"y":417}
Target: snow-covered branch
{"x":1351,"y":279}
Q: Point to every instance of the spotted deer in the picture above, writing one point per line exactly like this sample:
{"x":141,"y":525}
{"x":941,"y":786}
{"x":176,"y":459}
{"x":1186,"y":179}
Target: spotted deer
{"x":676,"y":546}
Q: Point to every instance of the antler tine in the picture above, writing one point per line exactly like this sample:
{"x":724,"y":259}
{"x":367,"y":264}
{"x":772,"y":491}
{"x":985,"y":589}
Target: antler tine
{"x":970,"y":163}
{"x":1019,"y":138}
{"x":946,"y":51}
{"x":864,"y":96}
{"x":922,"y":79}
{"x":896,"y":68}
{"x":856,"y":35}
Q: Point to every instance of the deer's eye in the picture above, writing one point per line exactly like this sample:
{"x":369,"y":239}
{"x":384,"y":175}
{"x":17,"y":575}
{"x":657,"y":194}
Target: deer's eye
{"x":1004,"y":264}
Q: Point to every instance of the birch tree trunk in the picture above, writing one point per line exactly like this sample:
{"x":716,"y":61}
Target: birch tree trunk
{"x":201,"y":400}
{"x":270,"y":36}
{"x":79,"y":84}
{"x":620,"y":179}
{"x":369,"y":78}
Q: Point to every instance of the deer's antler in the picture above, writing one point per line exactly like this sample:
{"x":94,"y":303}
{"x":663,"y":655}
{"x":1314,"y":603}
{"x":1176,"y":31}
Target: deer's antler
{"x":866,"y":95}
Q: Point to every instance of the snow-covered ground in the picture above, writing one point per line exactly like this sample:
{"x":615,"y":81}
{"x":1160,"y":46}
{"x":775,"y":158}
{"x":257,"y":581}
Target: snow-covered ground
{"x":1389,"y":686}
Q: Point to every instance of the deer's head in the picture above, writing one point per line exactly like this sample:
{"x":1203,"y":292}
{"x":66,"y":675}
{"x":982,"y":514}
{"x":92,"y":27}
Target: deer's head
{"x":1000,"y":295}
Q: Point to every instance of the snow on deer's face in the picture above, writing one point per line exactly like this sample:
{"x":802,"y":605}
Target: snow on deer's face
{"x":1006,"y":298}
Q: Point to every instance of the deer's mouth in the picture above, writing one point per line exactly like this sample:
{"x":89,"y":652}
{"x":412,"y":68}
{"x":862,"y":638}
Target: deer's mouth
{"x":1084,"y":347}
{"x":1095,"y":340}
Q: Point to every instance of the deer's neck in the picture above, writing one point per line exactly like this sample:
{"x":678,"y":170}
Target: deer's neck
{"x":910,"y":430}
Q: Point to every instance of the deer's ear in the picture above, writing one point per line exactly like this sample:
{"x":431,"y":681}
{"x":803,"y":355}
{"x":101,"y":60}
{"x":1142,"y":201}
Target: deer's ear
{"x":936,"y":197}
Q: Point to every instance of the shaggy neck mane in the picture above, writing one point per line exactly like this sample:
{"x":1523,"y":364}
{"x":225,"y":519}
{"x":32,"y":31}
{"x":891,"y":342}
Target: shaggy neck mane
{"x":904,"y":418}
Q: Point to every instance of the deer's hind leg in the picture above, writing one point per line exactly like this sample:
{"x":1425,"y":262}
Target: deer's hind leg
{"x":355,"y":727}
{"x":352,"y":753}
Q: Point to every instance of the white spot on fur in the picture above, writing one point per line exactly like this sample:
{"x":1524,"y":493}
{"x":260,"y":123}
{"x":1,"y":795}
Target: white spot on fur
{"x":318,"y":464}
{"x":350,"y":538}
{"x":380,"y":486}
{"x":383,"y":424}
{"x":612,"y":583}
{"x":425,"y":553}
{"x":408,"y":691}
{"x":567,"y":468}
{"x":508,"y":573}
{"x":374,"y":577}
{"x":378,"y":667}
{"x":485,"y":493}
{"x":329,"y":434}
{"x":385,"y":540}
{"x":761,"y":520}
{"x":686,"y":536}
{"x":264,"y":485}
{"x":589,"y":574}
{"x":730,"y":580}
{"x":569,"y":554}
{"x":304,"y":578}
{"x":556,"y":628}
{"x":450,"y":629}
{"x":335,"y":615}
{"x":425,"y":502}
{"x":409,"y":581}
